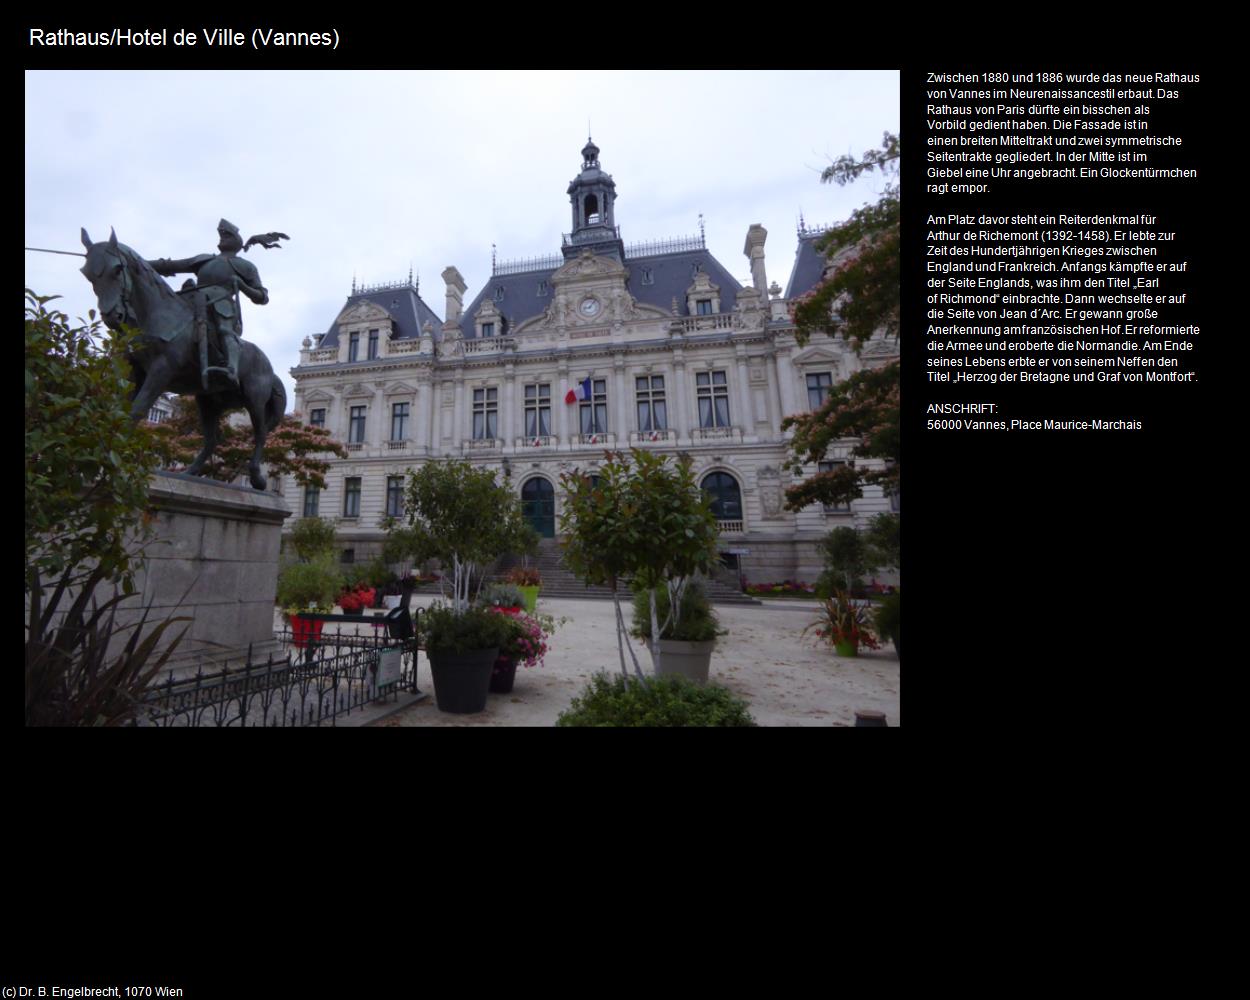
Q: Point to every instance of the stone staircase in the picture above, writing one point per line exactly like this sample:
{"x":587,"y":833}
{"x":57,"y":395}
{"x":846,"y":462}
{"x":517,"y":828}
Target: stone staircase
{"x":558,"y":581}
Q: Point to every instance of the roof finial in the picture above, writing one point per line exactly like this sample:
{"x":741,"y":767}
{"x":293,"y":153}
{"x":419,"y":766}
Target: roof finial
{"x":702,"y":234}
{"x":492,"y":258}
{"x":353,"y":282}
{"x":802,"y":224}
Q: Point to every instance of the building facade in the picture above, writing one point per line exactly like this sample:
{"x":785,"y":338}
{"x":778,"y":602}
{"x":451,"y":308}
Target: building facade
{"x":603,"y":346}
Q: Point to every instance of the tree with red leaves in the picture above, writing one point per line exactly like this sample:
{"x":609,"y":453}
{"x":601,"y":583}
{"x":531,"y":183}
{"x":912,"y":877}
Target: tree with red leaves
{"x":292,"y":448}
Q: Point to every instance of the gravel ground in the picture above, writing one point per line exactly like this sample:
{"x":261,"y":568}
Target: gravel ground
{"x":786,"y":678}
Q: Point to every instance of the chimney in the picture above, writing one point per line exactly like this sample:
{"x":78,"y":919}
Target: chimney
{"x":455,"y":294}
{"x":753,"y":249}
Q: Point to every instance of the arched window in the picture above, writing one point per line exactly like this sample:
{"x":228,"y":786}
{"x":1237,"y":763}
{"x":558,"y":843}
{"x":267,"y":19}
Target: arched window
{"x":592,"y":209}
{"x":722,"y":490}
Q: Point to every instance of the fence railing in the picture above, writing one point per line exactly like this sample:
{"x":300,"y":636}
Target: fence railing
{"x":316,"y":681}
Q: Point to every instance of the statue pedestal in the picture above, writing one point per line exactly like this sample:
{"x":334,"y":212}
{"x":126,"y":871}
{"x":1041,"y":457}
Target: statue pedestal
{"x":213,"y":557}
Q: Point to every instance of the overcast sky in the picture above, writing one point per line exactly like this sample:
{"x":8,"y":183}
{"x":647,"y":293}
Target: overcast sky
{"x":373,"y":172}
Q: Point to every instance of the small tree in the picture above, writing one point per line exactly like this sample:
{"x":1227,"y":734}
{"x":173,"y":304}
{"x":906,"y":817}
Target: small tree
{"x":88,"y":465}
{"x":312,"y":537}
{"x":460,"y":516}
{"x":646,"y":518}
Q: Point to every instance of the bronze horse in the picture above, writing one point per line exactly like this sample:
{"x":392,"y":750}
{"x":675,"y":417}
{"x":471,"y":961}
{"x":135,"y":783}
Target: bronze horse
{"x":166,"y":357}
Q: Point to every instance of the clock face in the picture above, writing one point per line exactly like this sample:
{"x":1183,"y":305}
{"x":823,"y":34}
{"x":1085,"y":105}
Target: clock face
{"x":589,"y":307}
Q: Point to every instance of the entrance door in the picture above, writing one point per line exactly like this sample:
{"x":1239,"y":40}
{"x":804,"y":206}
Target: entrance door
{"x":538,"y":502}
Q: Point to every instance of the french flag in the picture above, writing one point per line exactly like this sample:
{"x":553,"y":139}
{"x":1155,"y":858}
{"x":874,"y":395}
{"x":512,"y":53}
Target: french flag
{"x":580,"y":391}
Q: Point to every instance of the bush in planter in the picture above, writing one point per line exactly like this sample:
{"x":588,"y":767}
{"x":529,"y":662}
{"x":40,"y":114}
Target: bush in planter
{"x":696,"y":620}
{"x":312,"y":538}
{"x":843,"y":622}
{"x":886,"y":618}
{"x":311,"y":586}
{"x":664,"y":701}
{"x":525,"y":576}
{"x":502,"y":595}
{"x":445,"y":631}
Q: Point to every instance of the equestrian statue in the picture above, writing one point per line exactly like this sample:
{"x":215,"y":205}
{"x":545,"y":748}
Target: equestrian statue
{"x":190,"y":341}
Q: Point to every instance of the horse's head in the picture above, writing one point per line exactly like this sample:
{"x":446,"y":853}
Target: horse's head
{"x":107,"y":269}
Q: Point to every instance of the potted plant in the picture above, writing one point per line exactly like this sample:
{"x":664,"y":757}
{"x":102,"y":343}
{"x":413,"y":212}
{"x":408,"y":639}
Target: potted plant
{"x":462,"y":517}
{"x":503,"y":597}
{"x":844,"y":624}
{"x":644,"y":518}
{"x":687,"y":635}
{"x":886,"y":619}
{"x":530,"y":582}
{"x":307,"y":587}
{"x":526,"y":645}
{"x":462,"y":648}
{"x":665,"y":701}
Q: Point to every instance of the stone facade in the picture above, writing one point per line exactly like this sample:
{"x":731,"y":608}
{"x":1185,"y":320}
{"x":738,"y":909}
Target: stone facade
{"x":679,"y":357}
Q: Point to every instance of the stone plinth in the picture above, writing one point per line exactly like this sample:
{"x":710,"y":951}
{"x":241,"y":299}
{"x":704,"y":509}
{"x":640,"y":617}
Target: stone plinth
{"x":212,"y":556}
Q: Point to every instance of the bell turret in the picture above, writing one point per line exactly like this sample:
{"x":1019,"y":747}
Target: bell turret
{"x":592,"y":194}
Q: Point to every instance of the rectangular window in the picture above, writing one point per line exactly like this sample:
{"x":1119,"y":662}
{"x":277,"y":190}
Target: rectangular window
{"x":373,"y":344}
{"x":347,"y":556}
{"x":652,"y":411}
{"x":356,"y":428}
{"x":834,"y":508}
{"x":538,"y":410}
{"x":594,"y":412}
{"x":704,"y":306}
{"x":312,"y":501}
{"x":488,"y":329}
{"x":394,"y":496}
{"x":353,"y":346}
{"x":399,"y":421}
{"x":818,"y":388}
{"x":485,"y":414}
{"x":712,"y":388}
{"x":351,"y":498}
{"x":317,"y":418}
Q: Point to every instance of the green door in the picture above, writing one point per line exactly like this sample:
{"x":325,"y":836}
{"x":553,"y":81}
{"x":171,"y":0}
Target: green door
{"x":538,"y":501}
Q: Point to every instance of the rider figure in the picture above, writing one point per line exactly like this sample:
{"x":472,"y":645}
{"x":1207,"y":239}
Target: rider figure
{"x":219,"y":279}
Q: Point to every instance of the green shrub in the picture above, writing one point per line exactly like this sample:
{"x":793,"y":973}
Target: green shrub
{"x":309,"y":585}
{"x":444,"y":631}
{"x":311,"y":538}
{"x":696,"y":623}
{"x":503,"y":595}
{"x":887,"y":617}
{"x":663,"y":701}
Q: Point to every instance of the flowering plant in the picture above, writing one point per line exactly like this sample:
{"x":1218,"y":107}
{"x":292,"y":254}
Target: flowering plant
{"x":525,"y":576}
{"x":354,"y":601}
{"x":527,"y":638}
{"x":843,"y":621}
{"x":785,"y":587}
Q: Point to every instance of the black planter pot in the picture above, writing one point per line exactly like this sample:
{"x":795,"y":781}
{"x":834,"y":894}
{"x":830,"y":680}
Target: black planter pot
{"x":461,"y":680}
{"x":502,"y":675}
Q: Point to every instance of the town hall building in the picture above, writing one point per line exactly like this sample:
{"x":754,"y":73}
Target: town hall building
{"x":661,"y":347}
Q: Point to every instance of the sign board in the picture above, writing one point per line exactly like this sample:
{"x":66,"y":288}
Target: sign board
{"x":390,"y":664}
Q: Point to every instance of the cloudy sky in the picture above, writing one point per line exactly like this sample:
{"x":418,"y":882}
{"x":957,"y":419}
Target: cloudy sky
{"x":371,"y":173}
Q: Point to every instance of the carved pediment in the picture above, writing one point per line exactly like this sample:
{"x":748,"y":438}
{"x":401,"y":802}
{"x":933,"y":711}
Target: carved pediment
{"x":589,"y":265}
{"x":817,"y":356}
{"x":318,"y":396}
{"x":400,"y":389}
{"x":363,"y":311}
{"x":357,"y":389}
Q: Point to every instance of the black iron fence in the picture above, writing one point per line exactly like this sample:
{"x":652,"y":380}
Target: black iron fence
{"x":318,"y":679}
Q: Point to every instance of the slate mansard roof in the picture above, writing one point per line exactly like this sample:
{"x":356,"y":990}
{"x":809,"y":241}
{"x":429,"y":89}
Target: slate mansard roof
{"x":809,"y":265}
{"x":671,"y":274}
{"x":407,"y":310}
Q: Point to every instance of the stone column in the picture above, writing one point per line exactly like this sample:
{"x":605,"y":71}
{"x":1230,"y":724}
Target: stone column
{"x":458,"y":432}
{"x":747,"y":420}
{"x":420,"y":426}
{"x":785,"y":382}
{"x":562,"y":408}
{"x":381,"y":429}
{"x":774,"y":402}
{"x":509,"y":422}
{"x":679,"y":399}
{"x":619,"y":390}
